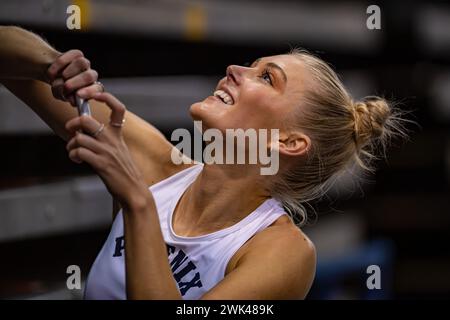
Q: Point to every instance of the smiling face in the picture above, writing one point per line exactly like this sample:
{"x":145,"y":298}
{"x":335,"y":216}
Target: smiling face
{"x":261,"y":96}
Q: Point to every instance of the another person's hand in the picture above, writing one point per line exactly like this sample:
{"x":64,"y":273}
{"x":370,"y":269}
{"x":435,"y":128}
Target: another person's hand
{"x":105,"y":150}
{"x":71,"y":74}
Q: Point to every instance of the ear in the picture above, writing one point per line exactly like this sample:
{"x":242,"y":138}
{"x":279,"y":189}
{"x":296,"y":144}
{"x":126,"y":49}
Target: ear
{"x":294,"y":144}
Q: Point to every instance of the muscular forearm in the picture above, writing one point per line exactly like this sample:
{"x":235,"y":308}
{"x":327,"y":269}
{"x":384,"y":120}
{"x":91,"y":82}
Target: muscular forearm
{"x":24,"y":55}
{"x":148,"y":273}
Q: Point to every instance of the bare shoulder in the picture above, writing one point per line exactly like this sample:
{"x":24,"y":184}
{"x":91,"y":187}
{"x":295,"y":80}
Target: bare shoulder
{"x":282,"y":255}
{"x":284,"y":237}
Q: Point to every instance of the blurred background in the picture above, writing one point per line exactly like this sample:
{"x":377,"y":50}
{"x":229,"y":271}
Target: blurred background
{"x":160,"y":56}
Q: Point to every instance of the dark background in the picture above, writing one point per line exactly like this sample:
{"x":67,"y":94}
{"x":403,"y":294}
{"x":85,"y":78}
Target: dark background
{"x":401,"y":212}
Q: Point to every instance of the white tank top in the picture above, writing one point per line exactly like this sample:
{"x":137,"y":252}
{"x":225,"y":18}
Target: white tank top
{"x":198,"y":263}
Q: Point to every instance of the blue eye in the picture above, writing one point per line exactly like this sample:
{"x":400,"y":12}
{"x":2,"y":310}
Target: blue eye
{"x":266,"y":76}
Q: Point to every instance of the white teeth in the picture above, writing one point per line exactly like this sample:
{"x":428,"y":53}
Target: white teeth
{"x":224,"y":96}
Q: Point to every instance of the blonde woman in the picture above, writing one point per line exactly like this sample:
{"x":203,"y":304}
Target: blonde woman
{"x":203,"y":231}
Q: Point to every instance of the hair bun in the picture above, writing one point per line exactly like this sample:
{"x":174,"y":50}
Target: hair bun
{"x":370,"y":117}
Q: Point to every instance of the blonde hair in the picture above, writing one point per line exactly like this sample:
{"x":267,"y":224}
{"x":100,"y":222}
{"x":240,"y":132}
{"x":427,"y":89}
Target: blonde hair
{"x":342,"y":132}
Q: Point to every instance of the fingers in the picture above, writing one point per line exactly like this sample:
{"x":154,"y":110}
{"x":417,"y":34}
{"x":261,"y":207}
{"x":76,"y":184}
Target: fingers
{"x":82,"y":154}
{"x":84,"y":141}
{"x":65,"y":90}
{"x":81,"y":80}
{"x":61,"y":62}
{"x":85,"y":123}
{"x":118,"y":108}
{"x":70,"y":72}
{"x":75,"y":67}
{"x":90,"y":91}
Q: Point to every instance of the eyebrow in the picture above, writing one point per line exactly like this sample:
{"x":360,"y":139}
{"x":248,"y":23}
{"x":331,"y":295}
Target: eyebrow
{"x":272,"y":65}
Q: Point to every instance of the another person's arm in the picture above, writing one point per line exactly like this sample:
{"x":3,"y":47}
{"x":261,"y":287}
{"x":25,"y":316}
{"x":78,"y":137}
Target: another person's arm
{"x":24,"y":69}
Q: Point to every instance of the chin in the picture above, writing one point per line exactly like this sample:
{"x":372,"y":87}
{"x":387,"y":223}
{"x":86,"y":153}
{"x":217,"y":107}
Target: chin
{"x":209,"y":112}
{"x":195,"y":111}
{"x":198,"y":113}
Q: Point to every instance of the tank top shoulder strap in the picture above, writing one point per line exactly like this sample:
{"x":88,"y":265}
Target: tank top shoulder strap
{"x":178,"y":180}
{"x":165,"y":191}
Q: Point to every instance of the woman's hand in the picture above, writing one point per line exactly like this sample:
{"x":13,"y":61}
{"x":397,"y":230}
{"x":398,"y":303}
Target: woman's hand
{"x":71,"y":74}
{"x":103,"y":147}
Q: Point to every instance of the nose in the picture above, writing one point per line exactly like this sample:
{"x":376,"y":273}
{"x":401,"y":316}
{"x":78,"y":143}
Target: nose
{"x":235,"y":73}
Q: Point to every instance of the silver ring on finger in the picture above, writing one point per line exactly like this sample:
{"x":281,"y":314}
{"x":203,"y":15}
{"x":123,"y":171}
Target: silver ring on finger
{"x":102,"y":87}
{"x":99,"y":130}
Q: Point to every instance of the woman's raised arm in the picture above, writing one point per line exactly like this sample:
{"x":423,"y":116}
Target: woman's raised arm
{"x":45,"y":79}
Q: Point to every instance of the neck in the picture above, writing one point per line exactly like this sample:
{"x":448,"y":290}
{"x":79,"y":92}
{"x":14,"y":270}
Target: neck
{"x":221,"y":196}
